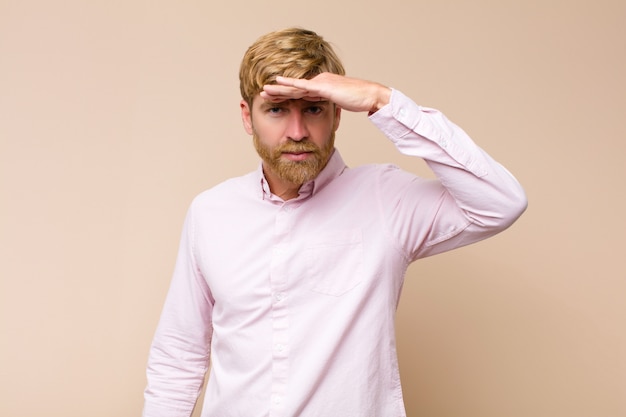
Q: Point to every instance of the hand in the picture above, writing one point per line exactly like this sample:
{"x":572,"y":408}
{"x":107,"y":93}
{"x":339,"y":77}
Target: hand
{"x":351,"y":94}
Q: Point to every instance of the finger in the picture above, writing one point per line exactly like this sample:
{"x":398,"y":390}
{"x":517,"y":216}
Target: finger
{"x":313,"y":87}
{"x":310,"y":86}
{"x":275,"y":89}
{"x":272,"y":99}
{"x":287,"y":81}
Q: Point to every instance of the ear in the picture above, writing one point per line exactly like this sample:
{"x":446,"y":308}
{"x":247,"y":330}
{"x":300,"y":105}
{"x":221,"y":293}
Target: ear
{"x":337,"y":118}
{"x":246,"y":116}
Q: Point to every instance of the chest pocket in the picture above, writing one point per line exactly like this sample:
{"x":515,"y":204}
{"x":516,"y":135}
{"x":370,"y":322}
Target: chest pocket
{"x":335,"y":262}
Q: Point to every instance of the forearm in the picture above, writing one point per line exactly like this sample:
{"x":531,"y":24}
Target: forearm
{"x":175,"y":375}
{"x":179,"y":355}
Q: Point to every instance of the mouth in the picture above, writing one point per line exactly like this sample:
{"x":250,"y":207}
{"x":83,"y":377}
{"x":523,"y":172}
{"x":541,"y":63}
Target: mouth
{"x":296,"y":156}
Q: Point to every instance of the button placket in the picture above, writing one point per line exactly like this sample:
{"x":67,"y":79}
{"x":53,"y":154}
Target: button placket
{"x":279,"y":309}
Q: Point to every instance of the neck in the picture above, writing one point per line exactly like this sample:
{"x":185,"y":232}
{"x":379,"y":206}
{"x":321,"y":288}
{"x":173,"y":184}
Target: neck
{"x":287,"y":194}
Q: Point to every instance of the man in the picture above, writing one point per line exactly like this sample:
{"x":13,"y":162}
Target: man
{"x":288,"y":278}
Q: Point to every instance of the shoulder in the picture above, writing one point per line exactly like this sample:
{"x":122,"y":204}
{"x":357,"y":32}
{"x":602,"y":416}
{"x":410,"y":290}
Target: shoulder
{"x":380,"y":172}
{"x":227,"y":190}
{"x":370,"y":180}
{"x":387,"y":181}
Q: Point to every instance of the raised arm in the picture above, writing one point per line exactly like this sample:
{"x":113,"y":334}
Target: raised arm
{"x":474,"y":197}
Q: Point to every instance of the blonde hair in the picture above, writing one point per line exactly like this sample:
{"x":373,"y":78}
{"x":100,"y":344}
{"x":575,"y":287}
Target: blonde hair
{"x":292,"y":52}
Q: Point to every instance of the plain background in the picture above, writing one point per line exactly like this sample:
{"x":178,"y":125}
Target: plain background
{"x":114,"y":114}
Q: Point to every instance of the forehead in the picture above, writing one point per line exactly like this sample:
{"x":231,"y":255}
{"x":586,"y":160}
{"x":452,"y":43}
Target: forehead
{"x":261,"y":103}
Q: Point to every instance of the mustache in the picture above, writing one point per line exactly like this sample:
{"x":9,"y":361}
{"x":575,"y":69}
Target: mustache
{"x":297,"y":147}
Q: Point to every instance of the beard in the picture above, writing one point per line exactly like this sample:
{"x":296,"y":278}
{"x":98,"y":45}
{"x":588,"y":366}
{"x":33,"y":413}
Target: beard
{"x":295,"y":172}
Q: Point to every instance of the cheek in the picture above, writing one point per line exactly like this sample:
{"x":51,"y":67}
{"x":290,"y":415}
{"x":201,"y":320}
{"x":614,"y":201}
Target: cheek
{"x":270,"y":131}
{"x":265,"y":138}
{"x":324,"y":133}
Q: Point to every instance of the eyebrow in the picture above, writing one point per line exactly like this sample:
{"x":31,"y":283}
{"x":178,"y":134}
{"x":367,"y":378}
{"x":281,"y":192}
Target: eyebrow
{"x":270,"y":104}
{"x":304,"y":103}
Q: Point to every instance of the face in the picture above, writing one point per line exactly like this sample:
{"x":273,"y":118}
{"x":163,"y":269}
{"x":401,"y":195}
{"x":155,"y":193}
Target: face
{"x":294,"y":138}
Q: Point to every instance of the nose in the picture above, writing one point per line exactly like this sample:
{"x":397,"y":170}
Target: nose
{"x":296,"y":127}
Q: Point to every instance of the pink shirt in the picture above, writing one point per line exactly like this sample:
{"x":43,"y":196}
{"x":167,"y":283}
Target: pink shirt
{"x":294,"y":302}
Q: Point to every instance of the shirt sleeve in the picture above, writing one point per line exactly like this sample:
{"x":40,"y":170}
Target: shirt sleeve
{"x":473,"y":197}
{"x":179,"y":355}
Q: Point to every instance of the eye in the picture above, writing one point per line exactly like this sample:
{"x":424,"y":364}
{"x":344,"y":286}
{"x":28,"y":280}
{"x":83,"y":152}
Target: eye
{"x":274,"y":110}
{"x":314,"y":109}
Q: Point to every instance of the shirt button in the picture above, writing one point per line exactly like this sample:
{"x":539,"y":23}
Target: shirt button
{"x":280,"y":347}
{"x":279,"y":296}
{"x":275,"y":399}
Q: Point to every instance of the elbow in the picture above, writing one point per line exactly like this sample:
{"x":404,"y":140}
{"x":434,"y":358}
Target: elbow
{"x":500,"y":213}
{"x":518,"y":204}
{"x":511,"y":209}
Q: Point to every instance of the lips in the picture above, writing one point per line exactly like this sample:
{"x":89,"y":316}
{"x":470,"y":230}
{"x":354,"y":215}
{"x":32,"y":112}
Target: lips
{"x":296,"y":156}
{"x":297,"y":151}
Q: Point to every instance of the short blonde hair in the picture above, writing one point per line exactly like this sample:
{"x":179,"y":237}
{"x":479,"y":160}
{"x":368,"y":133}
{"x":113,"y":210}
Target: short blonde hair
{"x":292,"y":52}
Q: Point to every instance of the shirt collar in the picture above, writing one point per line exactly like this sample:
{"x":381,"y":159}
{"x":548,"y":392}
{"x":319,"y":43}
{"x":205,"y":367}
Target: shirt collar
{"x":332,"y":170}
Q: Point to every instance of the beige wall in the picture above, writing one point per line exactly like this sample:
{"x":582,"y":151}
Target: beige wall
{"x":114,"y":114}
